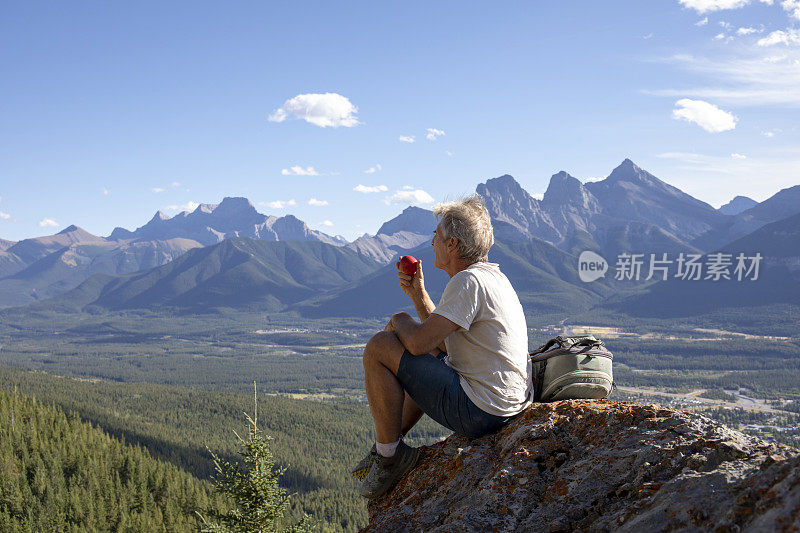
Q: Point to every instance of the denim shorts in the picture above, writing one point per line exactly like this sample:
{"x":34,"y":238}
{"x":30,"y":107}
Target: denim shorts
{"x":436,"y":389}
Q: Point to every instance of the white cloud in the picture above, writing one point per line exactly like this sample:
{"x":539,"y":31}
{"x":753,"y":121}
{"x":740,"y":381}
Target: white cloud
{"x":4,"y":216}
{"x":747,"y":31}
{"x":648,"y":36}
{"x":433,"y":134}
{"x":448,"y":153}
{"x":366,"y":190}
{"x":105,"y":191}
{"x":743,"y":76}
{"x":410,"y":197}
{"x":707,"y":116}
{"x":279,"y":204}
{"x":317,"y":203}
{"x":176,"y":184}
{"x":188,"y":206}
{"x":406,"y":139}
{"x":719,"y":36}
{"x":373,"y":170}
{"x":725,"y":24}
{"x":701,"y":22}
{"x":157,"y":189}
{"x":595,"y":178}
{"x":769,"y":133}
{"x":738,"y":156}
{"x":48,"y":223}
{"x":408,"y":187}
{"x":323,"y":110}
{"x":299,"y":171}
{"x":706,"y":6}
{"x":792,"y":7}
{"x":788,"y":37}
{"x":326,"y":223}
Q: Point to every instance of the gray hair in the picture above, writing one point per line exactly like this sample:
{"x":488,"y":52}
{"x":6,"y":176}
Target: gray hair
{"x":468,"y":221}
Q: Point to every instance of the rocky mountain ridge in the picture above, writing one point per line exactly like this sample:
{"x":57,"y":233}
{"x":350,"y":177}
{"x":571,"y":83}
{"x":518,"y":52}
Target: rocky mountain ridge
{"x":233,"y":217}
{"x":629,"y":211}
{"x":598,"y":466}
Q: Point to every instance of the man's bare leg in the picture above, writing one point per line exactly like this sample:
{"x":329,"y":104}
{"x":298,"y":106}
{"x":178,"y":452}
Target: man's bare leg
{"x":384,"y":392}
{"x":411,"y":414}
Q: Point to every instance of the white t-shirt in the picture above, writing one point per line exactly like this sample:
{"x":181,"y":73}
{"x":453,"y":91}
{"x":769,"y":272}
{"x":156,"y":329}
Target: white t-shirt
{"x":489,"y":350}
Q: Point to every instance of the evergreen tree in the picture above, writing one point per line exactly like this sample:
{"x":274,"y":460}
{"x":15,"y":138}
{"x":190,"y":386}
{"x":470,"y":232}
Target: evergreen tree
{"x":258,"y":502}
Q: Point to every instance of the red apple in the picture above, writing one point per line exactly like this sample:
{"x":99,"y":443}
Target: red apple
{"x":408,"y":265}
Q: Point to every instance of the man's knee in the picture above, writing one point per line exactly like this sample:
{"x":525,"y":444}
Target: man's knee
{"x":379,"y":344}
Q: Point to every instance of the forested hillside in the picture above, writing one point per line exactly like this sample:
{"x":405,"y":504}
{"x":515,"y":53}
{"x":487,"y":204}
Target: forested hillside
{"x":317,"y":441}
{"x":58,"y":473}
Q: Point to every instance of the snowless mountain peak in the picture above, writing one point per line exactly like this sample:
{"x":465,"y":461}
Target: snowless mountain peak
{"x":412,"y":219}
{"x":563,"y":187}
{"x":737,"y":205}
{"x":629,"y":171}
{"x":69,"y":229}
{"x":506,"y":182}
{"x":205,"y":208}
{"x":238,"y":205}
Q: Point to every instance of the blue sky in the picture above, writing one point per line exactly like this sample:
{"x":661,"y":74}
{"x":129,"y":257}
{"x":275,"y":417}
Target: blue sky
{"x":111,"y":112}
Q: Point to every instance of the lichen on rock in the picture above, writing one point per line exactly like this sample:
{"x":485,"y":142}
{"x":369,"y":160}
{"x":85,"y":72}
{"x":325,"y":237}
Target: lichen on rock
{"x":598,"y":466}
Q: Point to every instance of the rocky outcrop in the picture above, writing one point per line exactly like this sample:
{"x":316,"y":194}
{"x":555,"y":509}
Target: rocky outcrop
{"x":598,"y":466}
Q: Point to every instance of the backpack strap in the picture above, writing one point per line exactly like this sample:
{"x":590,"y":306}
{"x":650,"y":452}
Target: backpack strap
{"x":585,"y":340}
{"x":544,"y":347}
{"x":568,"y":342}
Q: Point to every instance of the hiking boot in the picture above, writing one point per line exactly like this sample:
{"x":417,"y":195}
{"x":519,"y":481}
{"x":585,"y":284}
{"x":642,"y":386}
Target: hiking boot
{"x":386,"y":471}
{"x":361,"y":470}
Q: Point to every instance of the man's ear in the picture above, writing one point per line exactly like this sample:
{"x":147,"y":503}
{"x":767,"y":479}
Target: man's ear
{"x":452,"y":243}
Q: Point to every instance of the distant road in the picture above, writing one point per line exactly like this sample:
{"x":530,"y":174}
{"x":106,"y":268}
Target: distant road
{"x":746,"y":403}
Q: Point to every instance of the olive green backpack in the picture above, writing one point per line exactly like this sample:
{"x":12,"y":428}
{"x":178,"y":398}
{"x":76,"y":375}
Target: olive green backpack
{"x":572,"y":368}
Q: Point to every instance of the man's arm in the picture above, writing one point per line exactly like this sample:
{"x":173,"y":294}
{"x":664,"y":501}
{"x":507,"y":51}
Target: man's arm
{"x":414,"y":287}
{"x":424,"y":306}
{"x":425,"y":337}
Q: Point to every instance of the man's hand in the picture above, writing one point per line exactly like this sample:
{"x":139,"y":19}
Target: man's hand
{"x":425,"y":337}
{"x":413,"y":286}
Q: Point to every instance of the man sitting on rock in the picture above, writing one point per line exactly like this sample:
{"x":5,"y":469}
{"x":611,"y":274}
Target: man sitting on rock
{"x":465,"y":364}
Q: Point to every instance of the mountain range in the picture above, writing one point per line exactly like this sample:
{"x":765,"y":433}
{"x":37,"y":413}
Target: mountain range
{"x":213,"y":223}
{"x":238,"y":272}
{"x":229,"y":255}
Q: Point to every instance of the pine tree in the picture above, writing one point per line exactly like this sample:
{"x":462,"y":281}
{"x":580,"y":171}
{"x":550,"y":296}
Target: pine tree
{"x":258,"y":501}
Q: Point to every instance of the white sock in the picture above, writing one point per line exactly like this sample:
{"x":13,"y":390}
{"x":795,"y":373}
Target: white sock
{"x":387,"y":450}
